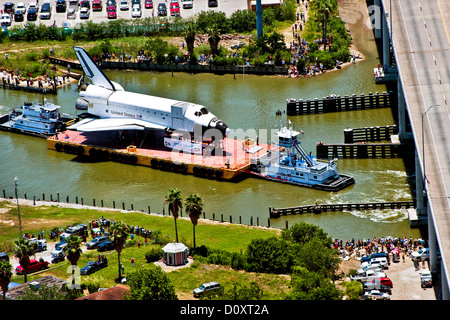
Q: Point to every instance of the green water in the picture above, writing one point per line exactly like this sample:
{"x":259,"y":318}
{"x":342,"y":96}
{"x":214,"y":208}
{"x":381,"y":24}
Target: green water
{"x":242,"y":102}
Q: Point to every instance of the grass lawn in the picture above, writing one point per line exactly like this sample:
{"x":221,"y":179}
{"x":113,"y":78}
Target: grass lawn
{"x":215,"y":235}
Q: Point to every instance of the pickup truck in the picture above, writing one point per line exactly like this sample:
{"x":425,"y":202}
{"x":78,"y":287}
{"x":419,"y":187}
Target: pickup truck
{"x":368,"y":275}
{"x":382,"y":284}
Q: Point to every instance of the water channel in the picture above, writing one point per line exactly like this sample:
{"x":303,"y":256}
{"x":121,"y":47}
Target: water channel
{"x":243,"y":102}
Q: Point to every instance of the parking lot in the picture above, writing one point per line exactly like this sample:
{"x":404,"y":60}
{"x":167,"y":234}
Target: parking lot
{"x":58,"y":18}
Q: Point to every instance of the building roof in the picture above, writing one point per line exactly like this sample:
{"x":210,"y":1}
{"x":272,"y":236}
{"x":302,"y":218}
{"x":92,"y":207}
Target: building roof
{"x":174,"y":247}
{"x":49,"y":280}
{"x":113,"y":293}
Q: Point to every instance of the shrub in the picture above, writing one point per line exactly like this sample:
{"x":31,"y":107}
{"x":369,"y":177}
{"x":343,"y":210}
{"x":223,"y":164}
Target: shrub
{"x":154,"y":253}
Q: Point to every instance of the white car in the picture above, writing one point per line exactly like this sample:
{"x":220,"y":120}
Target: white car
{"x":187,"y":4}
{"x":21,"y":6}
{"x":71,"y":13}
{"x":421,"y":254}
{"x":375,"y":295}
{"x":136,"y":11}
{"x":57,"y":251}
{"x":426,"y":279}
{"x":124,"y":5}
{"x":84,"y":13}
{"x":34,"y":6}
{"x":382,"y":262}
{"x":6,"y":20}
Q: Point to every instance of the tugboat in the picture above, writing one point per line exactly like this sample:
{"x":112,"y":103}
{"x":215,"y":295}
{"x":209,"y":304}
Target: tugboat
{"x":37,"y":119}
{"x":292,"y":164}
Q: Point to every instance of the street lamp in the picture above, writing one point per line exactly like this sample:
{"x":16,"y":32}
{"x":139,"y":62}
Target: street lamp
{"x":16,"y":181}
{"x":423,"y":146}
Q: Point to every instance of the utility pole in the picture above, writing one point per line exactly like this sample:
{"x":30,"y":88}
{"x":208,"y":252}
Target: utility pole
{"x":16,"y":181}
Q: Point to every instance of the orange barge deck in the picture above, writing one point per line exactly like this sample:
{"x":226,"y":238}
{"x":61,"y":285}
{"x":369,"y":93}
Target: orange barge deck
{"x":100,"y":147}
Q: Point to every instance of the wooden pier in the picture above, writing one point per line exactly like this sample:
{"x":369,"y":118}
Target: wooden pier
{"x":318,"y":208}
{"x":29,"y":88}
{"x":360,"y":150}
{"x":335,"y":103}
{"x":369,"y":134}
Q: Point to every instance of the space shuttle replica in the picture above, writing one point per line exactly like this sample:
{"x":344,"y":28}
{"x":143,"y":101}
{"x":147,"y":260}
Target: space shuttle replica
{"x":110,"y":107}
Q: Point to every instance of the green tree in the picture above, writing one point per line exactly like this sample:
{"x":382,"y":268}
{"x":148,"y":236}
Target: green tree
{"x":324,"y":10}
{"x":269,"y":255}
{"x":5,"y":276}
{"x":119,"y":235}
{"x":73,"y":253}
{"x":303,"y":232}
{"x":23,"y":250}
{"x":213,"y":38}
{"x":209,"y":18}
{"x":150,"y":283}
{"x":175,"y":204}
{"x":194,"y":207}
{"x":189,"y":32}
{"x":45,"y":292}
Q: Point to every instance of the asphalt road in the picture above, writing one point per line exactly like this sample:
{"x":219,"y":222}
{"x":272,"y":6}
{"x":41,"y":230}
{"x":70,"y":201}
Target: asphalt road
{"x":227,"y":6}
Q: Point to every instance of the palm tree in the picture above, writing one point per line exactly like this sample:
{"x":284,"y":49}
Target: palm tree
{"x":173,"y":198}
{"x":23,"y":251}
{"x":189,"y":31}
{"x":214,"y":38}
{"x":73,"y":252}
{"x":120,"y":233}
{"x":5,"y":276}
{"x":324,"y":10}
{"x":194,"y":207}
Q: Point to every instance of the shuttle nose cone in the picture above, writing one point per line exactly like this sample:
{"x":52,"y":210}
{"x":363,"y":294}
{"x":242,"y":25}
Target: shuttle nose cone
{"x":227,"y":132}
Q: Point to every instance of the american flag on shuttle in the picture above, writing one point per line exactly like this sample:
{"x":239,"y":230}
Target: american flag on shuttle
{"x":139,"y":116}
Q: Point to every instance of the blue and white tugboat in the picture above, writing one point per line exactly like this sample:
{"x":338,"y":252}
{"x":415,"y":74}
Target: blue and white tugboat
{"x":37,"y":119}
{"x":291,"y":164}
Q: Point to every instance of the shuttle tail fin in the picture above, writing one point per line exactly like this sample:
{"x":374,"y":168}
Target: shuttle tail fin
{"x":92,"y":70}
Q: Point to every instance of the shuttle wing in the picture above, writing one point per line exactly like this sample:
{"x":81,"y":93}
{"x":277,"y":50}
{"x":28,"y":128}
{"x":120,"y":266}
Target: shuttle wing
{"x":92,"y":70}
{"x":90,"y":125}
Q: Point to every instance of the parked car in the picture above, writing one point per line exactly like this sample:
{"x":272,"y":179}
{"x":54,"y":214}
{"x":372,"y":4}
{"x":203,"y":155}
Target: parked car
{"x":238,"y":45}
{"x":112,"y":13}
{"x":375,"y":255}
{"x":9,"y":8}
{"x":136,"y":11}
{"x":86,"y":4}
{"x":21,"y":7}
{"x":35,"y":265}
{"x":46,"y":11}
{"x":105,"y":246}
{"x":39,"y":245}
{"x":368,"y":275}
{"x":95,"y":242}
{"x":382,"y":262}
{"x":84,"y":13}
{"x":213,"y":3}
{"x":148,"y":4}
{"x":33,"y":5}
{"x":31,"y":14}
{"x":426,"y":279}
{"x":174,"y":9}
{"x":209,"y":286}
{"x":124,"y":5}
{"x":97,"y":5}
{"x":382,"y":284}
{"x":5,"y":20}
{"x":61,"y":6}
{"x":71,"y":14}
{"x":423,"y":253}
{"x":4,"y":256}
{"x":375,"y":267}
{"x":57,"y":252}
{"x":93,"y":266}
{"x":162,"y":9}
{"x":19,"y":16}
{"x":187,"y":4}
{"x":376,"y":295}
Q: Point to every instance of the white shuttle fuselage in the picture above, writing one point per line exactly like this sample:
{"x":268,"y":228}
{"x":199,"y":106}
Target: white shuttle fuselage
{"x":114,"y":108}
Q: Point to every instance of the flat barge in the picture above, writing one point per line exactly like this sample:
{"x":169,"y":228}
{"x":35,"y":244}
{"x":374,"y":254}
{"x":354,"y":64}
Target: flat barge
{"x":105,"y":146}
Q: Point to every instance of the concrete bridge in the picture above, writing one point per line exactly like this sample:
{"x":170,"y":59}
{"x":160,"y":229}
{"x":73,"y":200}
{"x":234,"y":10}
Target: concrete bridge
{"x":415,"y":38}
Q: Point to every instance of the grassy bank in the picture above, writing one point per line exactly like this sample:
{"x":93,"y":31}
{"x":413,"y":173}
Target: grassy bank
{"x":233,"y":238}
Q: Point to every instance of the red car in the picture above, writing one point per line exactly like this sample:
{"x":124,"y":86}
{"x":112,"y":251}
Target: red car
{"x":174,"y":9}
{"x":112,"y":13}
{"x":97,"y":5}
{"x":148,"y":4}
{"x":35,"y":265}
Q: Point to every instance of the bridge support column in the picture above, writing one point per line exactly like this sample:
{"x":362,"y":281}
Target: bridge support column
{"x":386,"y":42}
{"x":376,"y":20}
{"x":445,"y":289}
{"x":420,"y":206}
{"x":432,"y":242}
